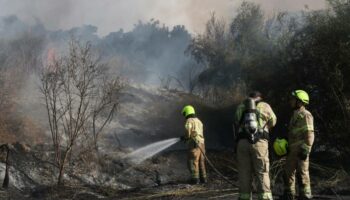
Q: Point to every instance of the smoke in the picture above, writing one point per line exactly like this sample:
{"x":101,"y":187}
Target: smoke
{"x":110,"y":15}
{"x":145,"y":52}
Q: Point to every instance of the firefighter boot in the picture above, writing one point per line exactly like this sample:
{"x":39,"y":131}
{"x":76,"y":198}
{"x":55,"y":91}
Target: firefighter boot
{"x":288,"y":196}
{"x":304,"y":198}
{"x":204,"y":180}
{"x":194,"y":181}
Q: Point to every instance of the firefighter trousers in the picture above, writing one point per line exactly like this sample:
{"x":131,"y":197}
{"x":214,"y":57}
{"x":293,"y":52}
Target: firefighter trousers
{"x":196,"y":161}
{"x":253,"y":160}
{"x":294,"y":166}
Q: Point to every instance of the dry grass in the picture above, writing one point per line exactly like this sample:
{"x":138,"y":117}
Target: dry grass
{"x":332,"y":177}
{"x":327,"y":177}
{"x":189,"y":191}
{"x":276,"y":170}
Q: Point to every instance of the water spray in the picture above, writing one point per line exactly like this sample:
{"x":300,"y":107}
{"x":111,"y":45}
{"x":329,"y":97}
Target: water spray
{"x":143,"y":153}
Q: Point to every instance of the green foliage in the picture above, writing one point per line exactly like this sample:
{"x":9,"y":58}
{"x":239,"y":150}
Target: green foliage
{"x":247,"y":30}
{"x":320,"y":54}
{"x":308,"y":50}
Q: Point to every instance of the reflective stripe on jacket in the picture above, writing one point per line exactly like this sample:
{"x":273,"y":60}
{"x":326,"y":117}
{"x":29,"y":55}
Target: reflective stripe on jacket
{"x":301,"y":123}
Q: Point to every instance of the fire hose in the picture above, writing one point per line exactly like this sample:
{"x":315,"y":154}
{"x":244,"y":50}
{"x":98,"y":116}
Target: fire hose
{"x":215,"y":169}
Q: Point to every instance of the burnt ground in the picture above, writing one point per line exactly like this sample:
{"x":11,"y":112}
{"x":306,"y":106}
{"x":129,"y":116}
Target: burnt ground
{"x":213,"y":190}
{"x":161,"y":177}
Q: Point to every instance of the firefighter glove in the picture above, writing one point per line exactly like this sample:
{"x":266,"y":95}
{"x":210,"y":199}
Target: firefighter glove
{"x":183,"y":138}
{"x":304,"y":152}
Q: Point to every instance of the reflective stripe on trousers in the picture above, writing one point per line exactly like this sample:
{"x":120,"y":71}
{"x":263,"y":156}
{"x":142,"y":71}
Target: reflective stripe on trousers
{"x":265,"y":196}
{"x":253,"y":160}
{"x":244,"y":196}
{"x":196,"y":162}
{"x":292,"y":166}
{"x":306,"y":191}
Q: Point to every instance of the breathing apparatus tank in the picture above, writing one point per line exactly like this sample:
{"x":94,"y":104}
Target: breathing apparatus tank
{"x":250,"y":118}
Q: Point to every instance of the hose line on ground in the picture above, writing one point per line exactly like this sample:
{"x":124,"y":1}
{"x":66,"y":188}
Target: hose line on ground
{"x":216,"y":170}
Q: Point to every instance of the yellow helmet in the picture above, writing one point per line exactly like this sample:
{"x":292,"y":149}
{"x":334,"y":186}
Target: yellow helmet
{"x":301,"y":95}
{"x":188,"y":110}
{"x":280,"y":146}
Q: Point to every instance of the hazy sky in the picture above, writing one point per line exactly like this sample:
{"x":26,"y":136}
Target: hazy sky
{"x":111,"y":15}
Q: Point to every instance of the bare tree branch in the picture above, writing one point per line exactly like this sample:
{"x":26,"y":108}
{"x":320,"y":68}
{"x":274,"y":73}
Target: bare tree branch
{"x":78,"y":92}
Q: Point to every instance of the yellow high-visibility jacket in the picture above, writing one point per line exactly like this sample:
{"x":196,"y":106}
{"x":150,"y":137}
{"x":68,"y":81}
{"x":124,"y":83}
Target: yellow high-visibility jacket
{"x":301,"y":128}
{"x":194,"y":130}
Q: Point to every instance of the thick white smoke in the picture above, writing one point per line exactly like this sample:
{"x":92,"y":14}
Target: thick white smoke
{"x":110,"y":15}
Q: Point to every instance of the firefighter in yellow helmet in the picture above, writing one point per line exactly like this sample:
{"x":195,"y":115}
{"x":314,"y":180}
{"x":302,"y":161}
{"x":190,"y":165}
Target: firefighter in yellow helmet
{"x":300,"y":139}
{"x":254,"y":118}
{"x":196,"y":149}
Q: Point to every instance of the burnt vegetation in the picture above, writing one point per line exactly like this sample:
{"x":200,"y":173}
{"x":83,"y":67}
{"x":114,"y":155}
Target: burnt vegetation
{"x":80,"y":98}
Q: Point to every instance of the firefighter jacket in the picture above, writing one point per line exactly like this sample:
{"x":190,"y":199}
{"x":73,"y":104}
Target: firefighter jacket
{"x":194,"y":130}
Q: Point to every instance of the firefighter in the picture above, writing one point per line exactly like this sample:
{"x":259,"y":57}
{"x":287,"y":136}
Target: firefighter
{"x":196,"y":149}
{"x":300,"y":140}
{"x":253,"y":119}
